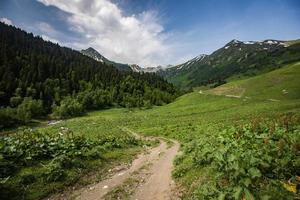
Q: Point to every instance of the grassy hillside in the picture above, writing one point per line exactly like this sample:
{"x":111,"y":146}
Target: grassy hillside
{"x":197,"y":118}
{"x":202,"y":123}
{"x":280,"y":84}
{"x":37,"y":162}
{"x":237,"y":60}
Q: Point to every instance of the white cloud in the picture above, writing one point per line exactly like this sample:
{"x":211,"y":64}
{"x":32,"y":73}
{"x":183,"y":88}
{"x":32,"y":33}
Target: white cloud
{"x":6,"y":21}
{"x":130,"y":39}
{"x":47,"y":38}
{"x":47,"y":28}
{"x":48,"y":33}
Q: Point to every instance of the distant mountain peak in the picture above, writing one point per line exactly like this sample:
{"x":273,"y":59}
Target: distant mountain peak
{"x":91,"y":49}
{"x":234,"y":41}
{"x":91,"y":52}
{"x":135,"y":67}
{"x":242,"y":58}
{"x":268,"y":44}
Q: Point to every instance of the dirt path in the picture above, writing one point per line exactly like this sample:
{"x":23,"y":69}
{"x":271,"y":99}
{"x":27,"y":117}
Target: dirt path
{"x":160,"y":184}
{"x":156,"y":164}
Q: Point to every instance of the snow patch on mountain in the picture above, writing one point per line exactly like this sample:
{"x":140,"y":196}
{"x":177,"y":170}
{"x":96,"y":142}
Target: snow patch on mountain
{"x":192,"y":61}
{"x":135,"y":68}
{"x":249,"y":42}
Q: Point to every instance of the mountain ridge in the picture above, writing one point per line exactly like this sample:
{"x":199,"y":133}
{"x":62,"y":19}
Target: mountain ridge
{"x":93,"y":53}
{"x":236,"y":58}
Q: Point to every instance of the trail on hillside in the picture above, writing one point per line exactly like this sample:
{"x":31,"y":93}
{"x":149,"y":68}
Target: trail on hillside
{"x":148,"y":177}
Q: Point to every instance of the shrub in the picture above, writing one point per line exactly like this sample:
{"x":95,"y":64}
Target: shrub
{"x":15,"y":101}
{"x":54,"y":172}
{"x":28,"y":109}
{"x":94,"y":99}
{"x":147,"y":104}
{"x":68,"y":107}
{"x":23,"y":113}
{"x":250,"y":159}
{"x":8,"y":117}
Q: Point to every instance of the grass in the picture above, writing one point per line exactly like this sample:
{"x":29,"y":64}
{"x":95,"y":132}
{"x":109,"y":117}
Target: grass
{"x":94,"y":128}
{"x":193,"y":117}
{"x":280,"y":84}
{"x":196,"y":116}
{"x":181,"y":81}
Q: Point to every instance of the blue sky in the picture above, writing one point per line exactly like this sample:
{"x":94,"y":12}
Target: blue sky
{"x":157,"y":32}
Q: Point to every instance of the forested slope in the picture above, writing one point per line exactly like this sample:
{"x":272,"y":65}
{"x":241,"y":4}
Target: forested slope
{"x":39,"y":77}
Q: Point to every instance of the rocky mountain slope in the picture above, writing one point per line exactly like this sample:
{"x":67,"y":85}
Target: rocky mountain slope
{"x":100,"y":58}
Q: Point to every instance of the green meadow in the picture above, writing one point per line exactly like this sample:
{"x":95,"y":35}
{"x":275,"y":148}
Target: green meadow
{"x":222,"y":132}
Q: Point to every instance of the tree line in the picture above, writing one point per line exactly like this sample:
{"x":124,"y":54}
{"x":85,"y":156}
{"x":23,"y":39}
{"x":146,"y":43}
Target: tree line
{"x":39,"y":77}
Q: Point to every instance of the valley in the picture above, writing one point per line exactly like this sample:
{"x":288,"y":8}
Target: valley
{"x":149,"y":100}
{"x":194,"y":119}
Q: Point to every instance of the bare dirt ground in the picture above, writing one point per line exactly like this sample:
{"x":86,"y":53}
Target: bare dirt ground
{"x":151,"y":172}
{"x":160,"y":184}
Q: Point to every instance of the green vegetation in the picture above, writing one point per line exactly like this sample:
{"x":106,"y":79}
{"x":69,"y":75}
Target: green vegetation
{"x":236,"y":60}
{"x":239,"y":140}
{"x":27,"y":108}
{"x":277,"y":85}
{"x":39,"y":76}
{"x":249,"y":161}
{"x":35,"y":163}
{"x":233,"y":148}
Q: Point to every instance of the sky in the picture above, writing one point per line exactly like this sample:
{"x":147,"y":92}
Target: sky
{"x":153,"y":32}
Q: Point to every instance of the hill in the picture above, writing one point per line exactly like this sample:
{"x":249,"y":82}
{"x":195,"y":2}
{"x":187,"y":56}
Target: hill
{"x":250,"y":138}
{"x":209,"y":125}
{"x":276,"y":85}
{"x":98,"y":57}
{"x":39,"y":77}
{"x":235,"y":60}
{"x":123,"y":67}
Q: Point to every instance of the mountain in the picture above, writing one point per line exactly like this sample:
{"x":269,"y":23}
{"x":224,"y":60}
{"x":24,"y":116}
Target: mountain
{"x":123,"y":67}
{"x":39,"y":77}
{"x":236,"y":59}
{"x":98,"y":57}
{"x":137,"y":68}
{"x":262,"y":87}
{"x":94,"y":54}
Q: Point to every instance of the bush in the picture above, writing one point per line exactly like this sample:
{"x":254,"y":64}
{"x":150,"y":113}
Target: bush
{"x":23,"y":113}
{"x":250,"y":159}
{"x":147,"y":104}
{"x":8,"y":117}
{"x":28,"y":109}
{"x":94,"y":99}
{"x":69,"y":107}
{"x":15,"y":101}
{"x":54,"y":172}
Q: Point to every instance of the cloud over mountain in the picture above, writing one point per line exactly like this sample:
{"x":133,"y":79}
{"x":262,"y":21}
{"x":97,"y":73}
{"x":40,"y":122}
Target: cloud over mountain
{"x":131,"y":39}
{"x":6,"y":21}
